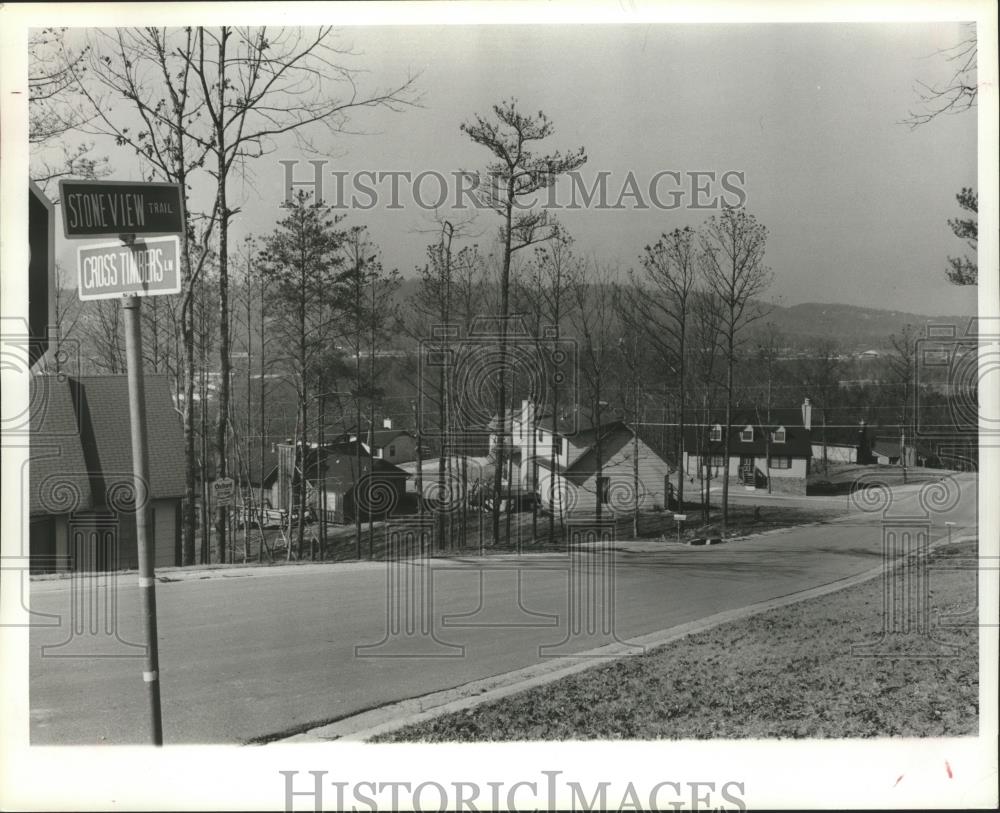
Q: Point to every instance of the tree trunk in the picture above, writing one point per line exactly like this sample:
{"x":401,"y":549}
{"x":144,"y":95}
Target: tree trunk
{"x":190,"y":464}
{"x":728,"y":431}
{"x":502,"y":391}
{"x":225,"y":363}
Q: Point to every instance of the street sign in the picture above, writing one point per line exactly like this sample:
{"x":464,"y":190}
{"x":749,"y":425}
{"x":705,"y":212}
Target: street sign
{"x":224,"y":491}
{"x":680,"y":517}
{"x":111,"y":208}
{"x":146,"y":268}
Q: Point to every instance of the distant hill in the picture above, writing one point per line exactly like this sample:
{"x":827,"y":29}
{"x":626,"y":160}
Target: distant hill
{"x":855,"y":327}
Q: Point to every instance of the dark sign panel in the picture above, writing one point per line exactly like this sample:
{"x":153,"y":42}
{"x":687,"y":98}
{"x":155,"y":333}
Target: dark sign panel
{"x":41,"y":272}
{"x":111,"y":208}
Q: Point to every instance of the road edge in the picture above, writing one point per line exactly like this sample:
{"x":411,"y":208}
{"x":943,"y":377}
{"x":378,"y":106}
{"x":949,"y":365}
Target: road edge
{"x":401,"y":713}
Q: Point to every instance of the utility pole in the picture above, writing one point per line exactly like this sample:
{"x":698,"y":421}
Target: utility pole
{"x":902,"y":450}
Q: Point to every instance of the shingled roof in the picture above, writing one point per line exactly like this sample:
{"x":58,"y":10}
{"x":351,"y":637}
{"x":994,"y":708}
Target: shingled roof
{"x":797,"y":438}
{"x":82,"y":433}
{"x":58,"y":479}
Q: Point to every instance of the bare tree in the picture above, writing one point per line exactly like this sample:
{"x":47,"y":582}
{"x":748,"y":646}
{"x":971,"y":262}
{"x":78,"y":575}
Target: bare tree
{"x":102,"y":330}
{"x":634,"y":352}
{"x":56,"y":110}
{"x":68,"y":310}
{"x":149,"y":69}
{"x":732,"y":262}
{"x":820,"y":371}
{"x":303,"y":257}
{"x":903,"y":365}
{"x":768,"y":353}
{"x":959,"y":91}
{"x":512,"y":179}
{"x":660,"y":303}
{"x":545,"y":295}
{"x":595,"y":322}
{"x":435,"y":304}
{"x":706,"y":353}
{"x":956,"y":94}
{"x":258,"y":84}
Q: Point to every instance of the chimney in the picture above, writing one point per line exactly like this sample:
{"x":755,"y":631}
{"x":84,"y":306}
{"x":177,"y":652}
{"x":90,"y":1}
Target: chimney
{"x":387,"y":423}
{"x":807,"y":412}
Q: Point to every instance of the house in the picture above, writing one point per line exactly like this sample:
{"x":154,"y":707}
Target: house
{"x":392,"y":445}
{"x":81,"y":504}
{"x":778,"y":450}
{"x":842,"y":444}
{"x":349,"y":477}
{"x":572,"y":463}
{"x":886,"y":451}
{"x":835,"y":452}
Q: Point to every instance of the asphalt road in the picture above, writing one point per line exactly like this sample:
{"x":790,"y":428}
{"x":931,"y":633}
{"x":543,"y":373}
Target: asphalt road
{"x":253,"y":653}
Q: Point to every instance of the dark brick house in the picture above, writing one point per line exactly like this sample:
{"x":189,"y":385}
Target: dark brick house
{"x":779,"y":449}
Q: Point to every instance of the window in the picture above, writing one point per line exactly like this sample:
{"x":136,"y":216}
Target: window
{"x":716,"y":433}
{"x":779,"y":435}
{"x":604,"y":489}
{"x":781,"y":462}
{"x":392,"y":451}
{"x":557,"y":446}
{"x":746,"y":435}
{"x":718,"y":461}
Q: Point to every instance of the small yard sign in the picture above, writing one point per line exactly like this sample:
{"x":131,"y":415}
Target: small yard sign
{"x":224,"y":491}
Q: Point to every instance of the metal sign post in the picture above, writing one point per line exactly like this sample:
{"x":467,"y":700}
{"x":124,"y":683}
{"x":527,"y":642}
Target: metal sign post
{"x":679,"y":519}
{"x":140,"y":465}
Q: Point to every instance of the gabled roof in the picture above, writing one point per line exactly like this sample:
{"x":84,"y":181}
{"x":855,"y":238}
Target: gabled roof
{"x":570,"y":424}
{"x":887,"y":447}
{"x":343,"y":464}
{"x":614,"y":436}
{"x":383,"y":437}
{"x":797,"y":438}
{"x":101,"y":432}
{"x":58,"y":480}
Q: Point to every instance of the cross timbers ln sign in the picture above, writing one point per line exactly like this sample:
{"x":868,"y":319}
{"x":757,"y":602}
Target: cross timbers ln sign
{"x":146,"y":268}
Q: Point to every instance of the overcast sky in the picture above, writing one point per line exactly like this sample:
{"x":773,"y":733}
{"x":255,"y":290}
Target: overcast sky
{"x":856,"y":202}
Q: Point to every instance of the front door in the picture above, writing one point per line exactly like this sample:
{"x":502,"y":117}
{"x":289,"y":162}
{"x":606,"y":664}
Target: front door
{"x":746,"y":469}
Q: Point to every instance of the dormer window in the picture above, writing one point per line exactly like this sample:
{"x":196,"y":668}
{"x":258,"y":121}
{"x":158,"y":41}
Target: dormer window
{"x":779,"y":435}
{"x":746,"y":435}
{"x":716,"y":434}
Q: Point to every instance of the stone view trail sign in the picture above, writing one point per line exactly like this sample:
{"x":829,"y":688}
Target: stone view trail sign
{"x":111,"y":208}
{"x":146,"y":268}
{"x":130,"y":269}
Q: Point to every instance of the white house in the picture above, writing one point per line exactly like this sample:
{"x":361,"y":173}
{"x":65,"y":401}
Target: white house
{"x":571,"y":464}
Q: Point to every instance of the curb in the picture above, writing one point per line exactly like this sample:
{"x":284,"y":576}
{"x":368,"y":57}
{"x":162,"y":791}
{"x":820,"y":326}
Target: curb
{"x":393,"y":716}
